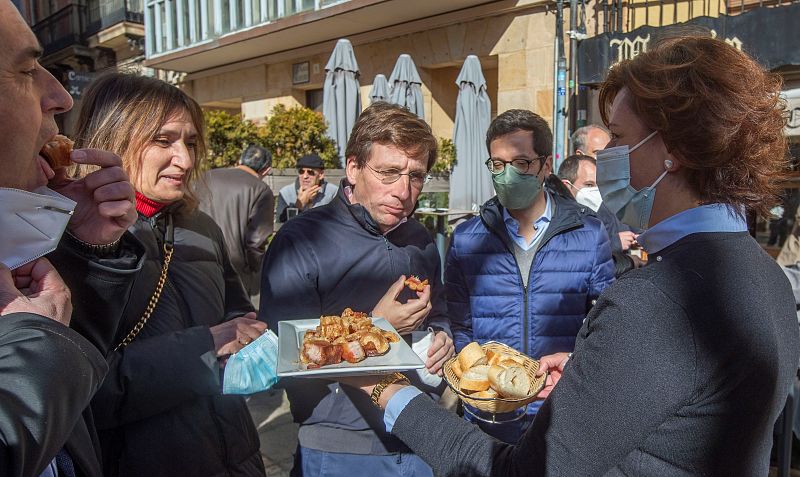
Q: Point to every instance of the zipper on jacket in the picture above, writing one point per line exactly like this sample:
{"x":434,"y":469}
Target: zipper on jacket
{"x":388,"y":252}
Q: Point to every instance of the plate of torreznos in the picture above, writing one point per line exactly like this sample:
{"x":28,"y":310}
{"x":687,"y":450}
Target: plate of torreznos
{"x":493,"y":377}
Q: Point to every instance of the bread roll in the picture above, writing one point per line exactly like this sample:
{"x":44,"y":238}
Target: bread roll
{"x":471,"y":355}
{"x":510,"y":361}
{"x":512,"y":382}
{"x":475,"y":379}
{"x":494,"y":374}
{"x":488,"y":394}
{"x":456,"y":367}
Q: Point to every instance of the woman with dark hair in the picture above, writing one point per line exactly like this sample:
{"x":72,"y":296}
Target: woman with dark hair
{"x":160,"y":411}
{"x":682,"y":366}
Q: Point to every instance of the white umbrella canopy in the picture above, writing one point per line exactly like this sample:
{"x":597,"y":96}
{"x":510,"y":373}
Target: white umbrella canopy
{"x":470,"y":182}
{"x":341,"y":96}
{"x":406,"y":86}
{"x":380,"y":89}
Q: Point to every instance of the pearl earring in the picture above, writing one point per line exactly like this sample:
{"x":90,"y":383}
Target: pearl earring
{"x":668,"y":164}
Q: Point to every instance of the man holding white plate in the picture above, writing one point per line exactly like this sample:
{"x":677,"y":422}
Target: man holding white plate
{"x":356,"y":253}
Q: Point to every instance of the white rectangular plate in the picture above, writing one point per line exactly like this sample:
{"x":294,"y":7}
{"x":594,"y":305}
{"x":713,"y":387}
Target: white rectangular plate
{"x":290,"y":335}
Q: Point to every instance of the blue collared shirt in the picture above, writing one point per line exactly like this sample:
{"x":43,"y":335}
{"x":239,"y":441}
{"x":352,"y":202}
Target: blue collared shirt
{"x":396,"y":404}
{"x":541,"y":224}
{"x":704,"y":218}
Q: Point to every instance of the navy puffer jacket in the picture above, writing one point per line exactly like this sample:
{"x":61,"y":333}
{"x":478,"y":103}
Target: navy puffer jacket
{"x":486,"y":298}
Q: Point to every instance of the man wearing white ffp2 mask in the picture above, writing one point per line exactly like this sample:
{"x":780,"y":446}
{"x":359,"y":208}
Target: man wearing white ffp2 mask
{"x":579,"y":174}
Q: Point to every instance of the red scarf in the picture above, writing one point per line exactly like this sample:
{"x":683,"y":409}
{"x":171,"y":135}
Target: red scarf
{"x":147,"y":207}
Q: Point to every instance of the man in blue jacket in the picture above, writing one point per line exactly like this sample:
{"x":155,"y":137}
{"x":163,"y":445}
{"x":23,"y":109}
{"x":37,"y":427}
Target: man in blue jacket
{"x":525,"y":271}
{"x":355,"y":252}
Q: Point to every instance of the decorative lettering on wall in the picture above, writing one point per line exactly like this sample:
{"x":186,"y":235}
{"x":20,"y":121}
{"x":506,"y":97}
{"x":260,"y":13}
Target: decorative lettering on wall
{"x":627,"y":49}
{"x":734,"y":42}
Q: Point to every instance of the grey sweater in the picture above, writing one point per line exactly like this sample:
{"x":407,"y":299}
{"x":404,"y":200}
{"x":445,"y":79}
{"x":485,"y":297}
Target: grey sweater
{"x":680,"y":369}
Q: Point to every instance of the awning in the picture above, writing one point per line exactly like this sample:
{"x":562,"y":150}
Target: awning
{"x":767,"y":34}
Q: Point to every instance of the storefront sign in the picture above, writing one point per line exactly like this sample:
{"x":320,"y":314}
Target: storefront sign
{"x":792,"y":98}
{"x":767,"y":34}
{"x":77,"y":82}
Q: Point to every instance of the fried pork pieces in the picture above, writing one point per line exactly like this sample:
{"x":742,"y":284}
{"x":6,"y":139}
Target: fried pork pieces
{"x":350,"y":337}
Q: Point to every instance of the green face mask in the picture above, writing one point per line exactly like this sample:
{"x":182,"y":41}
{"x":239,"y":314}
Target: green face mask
{"x":515,"y":190}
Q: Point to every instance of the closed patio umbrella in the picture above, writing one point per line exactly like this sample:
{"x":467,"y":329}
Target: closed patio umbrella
{"x":406,"y":86}
{"x":380,"y":89}
{"x":470,"y":182}
{"x":341,"y":96}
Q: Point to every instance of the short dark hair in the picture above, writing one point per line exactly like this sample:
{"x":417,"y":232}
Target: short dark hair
{"x":569,"y":168}
{"x":522,"y":120}
{"x":388,"y":124}
{"x":256,"y":158}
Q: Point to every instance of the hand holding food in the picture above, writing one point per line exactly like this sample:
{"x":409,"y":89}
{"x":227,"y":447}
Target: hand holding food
{"x":105,"y":198}
{"x":405,"y":317}
{"x":492,"y":373}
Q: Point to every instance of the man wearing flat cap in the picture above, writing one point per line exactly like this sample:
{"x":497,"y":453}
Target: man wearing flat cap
{"x":308,"y":191}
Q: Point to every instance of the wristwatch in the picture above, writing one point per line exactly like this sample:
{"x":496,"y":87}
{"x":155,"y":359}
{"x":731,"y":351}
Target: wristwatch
{"x":104,"y":250}
{"x":386,"y":382}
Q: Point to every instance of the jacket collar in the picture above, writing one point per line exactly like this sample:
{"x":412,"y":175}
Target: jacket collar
{"x":567,"y":214}
{"x":359,"y":213}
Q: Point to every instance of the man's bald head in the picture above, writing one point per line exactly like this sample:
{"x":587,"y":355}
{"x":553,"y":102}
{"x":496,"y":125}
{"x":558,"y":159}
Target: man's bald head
{"x":590,"y":139}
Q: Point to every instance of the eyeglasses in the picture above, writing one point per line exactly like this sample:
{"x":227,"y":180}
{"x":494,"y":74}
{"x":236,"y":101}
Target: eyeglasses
{"x":390,"y":176}
{"x":310,"y":172}
{"x":496,"y":166}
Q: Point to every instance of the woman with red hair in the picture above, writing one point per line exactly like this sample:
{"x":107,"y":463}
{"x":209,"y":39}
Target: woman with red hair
{"x":682,"y":366}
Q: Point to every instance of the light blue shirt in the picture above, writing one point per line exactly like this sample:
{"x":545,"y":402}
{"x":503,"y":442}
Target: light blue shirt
{"x":397,"y":403}
{"x":705,"y":218}
{"x":541,"y":224}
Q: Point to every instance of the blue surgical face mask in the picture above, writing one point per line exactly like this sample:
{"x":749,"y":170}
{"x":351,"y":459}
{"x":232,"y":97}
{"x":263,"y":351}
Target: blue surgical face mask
{"x":632,"y":206}
{"x":254,"y":368}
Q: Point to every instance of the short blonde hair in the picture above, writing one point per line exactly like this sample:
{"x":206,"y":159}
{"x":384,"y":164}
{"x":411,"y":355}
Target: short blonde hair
{"x":123,"y":112}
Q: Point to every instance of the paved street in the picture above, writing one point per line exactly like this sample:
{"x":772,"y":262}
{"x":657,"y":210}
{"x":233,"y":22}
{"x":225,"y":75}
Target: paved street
{"x":276,"y":430}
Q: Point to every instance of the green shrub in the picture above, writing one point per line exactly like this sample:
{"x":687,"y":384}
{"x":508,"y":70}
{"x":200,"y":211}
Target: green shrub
{"x":227,"y":135}
{"x":447,"y":157}
{"x":291,"y":133}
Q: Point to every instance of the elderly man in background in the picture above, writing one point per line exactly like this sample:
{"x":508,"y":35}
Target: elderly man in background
{"x":308,"y":191}
{"x":50,"y":371}
{"x":244,"y":208}
{"x":589,"y":139}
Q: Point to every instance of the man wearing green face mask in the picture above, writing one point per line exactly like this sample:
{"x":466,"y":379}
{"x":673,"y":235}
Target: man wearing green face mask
{"x":526,"y":270}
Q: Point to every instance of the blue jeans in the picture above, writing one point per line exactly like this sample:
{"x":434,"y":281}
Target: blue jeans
{"x":316,"y":463}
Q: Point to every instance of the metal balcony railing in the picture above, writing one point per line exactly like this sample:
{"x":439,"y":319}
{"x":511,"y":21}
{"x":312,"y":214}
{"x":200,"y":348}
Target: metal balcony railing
{"x":61,"y":29}
{"x":175,"y":24}
{"x":74,"y":23}
{"x":622,"y":16}
{"x":106,"y":13}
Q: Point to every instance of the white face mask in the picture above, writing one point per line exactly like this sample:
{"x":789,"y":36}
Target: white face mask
{"x":590,"y":197}
{"x":32,"y":224}
{"x":632,"y":206}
